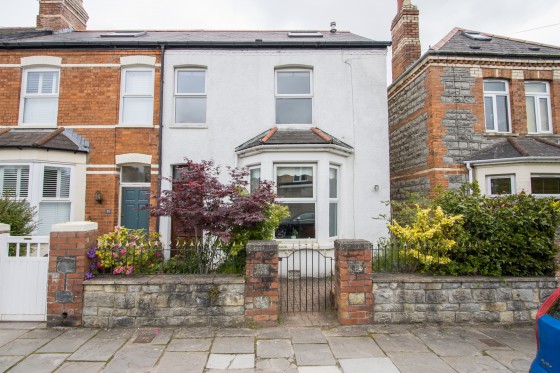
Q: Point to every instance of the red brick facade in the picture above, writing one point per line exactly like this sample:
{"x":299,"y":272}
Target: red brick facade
{"x":89,"y":100}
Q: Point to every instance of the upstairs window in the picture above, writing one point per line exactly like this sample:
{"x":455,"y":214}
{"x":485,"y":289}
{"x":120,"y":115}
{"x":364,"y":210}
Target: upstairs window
{"x":40,"y":96}
{"x":294,"y":97}
{"x":537,"y":97}
{"x":496,"y":106}
{"x":14,"y":181}
{"x":190,"y":96}
{"x":137,"y":96}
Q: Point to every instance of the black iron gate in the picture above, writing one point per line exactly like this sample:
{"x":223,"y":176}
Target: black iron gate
{"x":306,"y":281}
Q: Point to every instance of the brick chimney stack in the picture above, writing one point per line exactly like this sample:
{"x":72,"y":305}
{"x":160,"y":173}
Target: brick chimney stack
{"x":405,"y":35}
{"x":58,"y":15}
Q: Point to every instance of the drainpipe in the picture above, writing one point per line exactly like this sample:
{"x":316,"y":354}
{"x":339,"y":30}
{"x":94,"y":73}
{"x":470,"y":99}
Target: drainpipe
{"x":471,"y":172}
{"x":160,"y":140}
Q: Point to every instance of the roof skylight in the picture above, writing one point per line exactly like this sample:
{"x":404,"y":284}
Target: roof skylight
{"x":304,"y":34}
{"x":476,"y":36}
{"x":123,"y":34}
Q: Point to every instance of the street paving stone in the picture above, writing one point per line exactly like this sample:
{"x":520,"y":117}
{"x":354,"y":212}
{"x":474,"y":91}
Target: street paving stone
{"x":287,"y":349}
{"x":97,"y":349}
{"x":368,"y":365}
{"x":274,"y":348}
{"x":313,"y":354}
{"x":22,"y":346}
{"x":354,"y":347}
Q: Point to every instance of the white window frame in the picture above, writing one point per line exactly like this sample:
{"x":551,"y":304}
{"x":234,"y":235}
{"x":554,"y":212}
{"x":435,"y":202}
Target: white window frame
{"x":493,"y":95}
{"x":313,"y":199}
{"x":489,"y":178}
{"x":25,"y":95}
{"x":291,"y":95}
{"x":335,"y":200}
{"x":176,"y":95}
{"x":251,"y":168}
{"x":38,"y":198}
{"x":17,"y":195}
{"x":548,"y":176}
{"x":124,"y":95}
{"x":537,"y":96}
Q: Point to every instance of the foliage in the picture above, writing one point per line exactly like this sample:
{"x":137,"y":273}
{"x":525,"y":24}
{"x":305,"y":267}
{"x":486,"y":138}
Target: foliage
{"x":125,"y":251}
{"x":428,"y":240}
{"x":19,"y":215}
{"x":509,"y":235}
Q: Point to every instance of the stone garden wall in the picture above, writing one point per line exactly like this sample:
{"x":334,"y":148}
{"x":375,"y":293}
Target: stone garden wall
{"x":416,"y":298}
{"x":168,"y":300}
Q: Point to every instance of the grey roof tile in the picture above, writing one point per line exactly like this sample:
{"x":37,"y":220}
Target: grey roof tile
{"x":517,"y":148}
{"x":66,"y":140}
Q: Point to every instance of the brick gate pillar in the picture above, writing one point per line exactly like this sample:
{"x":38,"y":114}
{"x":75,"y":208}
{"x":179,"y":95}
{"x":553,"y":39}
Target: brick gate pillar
{"x":68,"y":264}
{"x":261,"y":283}
{"x":353,"y":285}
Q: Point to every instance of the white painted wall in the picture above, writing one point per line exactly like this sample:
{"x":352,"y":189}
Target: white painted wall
{"x":521,"y":171}
{"x":349,"y":102}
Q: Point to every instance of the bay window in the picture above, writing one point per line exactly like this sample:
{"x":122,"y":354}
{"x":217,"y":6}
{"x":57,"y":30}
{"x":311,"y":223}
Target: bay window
{"x":333,"y":202}
{"x":14,"y":181}
{"x":545,"y":184}
{"x":500,"y":184}
{"x":55,"y":203}
{"x":254,"y":178}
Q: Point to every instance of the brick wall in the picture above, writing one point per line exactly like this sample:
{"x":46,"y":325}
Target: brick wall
{"x":405,"y":36}
{"x":416,"y":298}
{"x":68,"y":263}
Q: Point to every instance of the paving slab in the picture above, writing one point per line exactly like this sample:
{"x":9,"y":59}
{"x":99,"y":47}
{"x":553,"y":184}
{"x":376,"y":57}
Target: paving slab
{"x":233,"y":345}
{"x":400,"y":343}
{"x":81,"y":367}
{"x":274,"y":348}
{"x":231,"y":361}
{"x":513,"y":360}
{"x":276,"y":365}
{"x":273,"y":333}
{"x":134,"y":359}
{"x":22,"y":346}
{"x":308,"y":335}
{"x":190,"y":345}
{"x":200,"y":332}
{"x":475,"y":364}
{"x":313,"y":354}
{"x":161,"y":336}
{"x":7,"y":361}
{"x":354,"y":347}
{"x":43,"y":333}
{"x":182,"y":362}
{"x":368,"y":365}
{"x":235,"y":332}
{"x":39,"y":363}
{"x":97,"y":349}
{"x":69,"y":341}
{"x":8,"y":335}
{"x":347,"y":331}
{"x":518,"y":339}
{"x":418,"y":362}
{"x":333,"y":369}
{"x":447,"y":344}
{"x":22,"y":325}
{"x":115,"y":333}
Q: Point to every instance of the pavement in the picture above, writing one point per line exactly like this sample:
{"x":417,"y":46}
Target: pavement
{"x":31,"y":347}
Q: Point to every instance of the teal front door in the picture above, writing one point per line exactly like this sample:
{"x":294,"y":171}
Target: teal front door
{"x":134,"y":216}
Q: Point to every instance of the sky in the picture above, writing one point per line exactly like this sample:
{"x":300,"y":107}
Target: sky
{"x":369,"y":18}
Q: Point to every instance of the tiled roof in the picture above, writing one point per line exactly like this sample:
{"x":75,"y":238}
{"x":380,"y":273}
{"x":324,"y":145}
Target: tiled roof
{"x":289,"y":136}
{"x":20,"y":33}
{"x":518,"y":148}
{"x":196,"y":38}
{"x":59,"y":139}
{"x":458,"y":41}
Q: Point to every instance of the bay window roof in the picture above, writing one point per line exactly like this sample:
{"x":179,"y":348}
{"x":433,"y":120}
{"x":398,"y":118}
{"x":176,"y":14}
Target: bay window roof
{"x":59,"y":139}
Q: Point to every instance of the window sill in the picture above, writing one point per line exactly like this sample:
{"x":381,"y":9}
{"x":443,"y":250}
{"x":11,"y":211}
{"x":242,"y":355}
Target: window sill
{"x":189,"y":125}
{"x":122,"y":125}
{"x":501,"y":134}
{"x":25,"y":125}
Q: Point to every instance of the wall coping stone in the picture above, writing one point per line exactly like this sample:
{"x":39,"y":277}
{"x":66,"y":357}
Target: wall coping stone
{"x":4,"y":228}
{"x":253,"y":246}
{"x":75,"y":226}
{"x":348,"y":244}
{"x":166,"y":279}
{"x":381,"y":278}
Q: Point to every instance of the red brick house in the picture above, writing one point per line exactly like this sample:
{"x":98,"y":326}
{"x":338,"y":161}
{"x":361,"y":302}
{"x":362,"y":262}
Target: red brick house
{"x":473,"y":107}
{"x":80,"y":119}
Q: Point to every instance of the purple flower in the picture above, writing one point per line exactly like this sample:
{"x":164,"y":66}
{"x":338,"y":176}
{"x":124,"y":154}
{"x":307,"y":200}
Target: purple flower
{"x":91,"y":253}
{"x":89,"y":276}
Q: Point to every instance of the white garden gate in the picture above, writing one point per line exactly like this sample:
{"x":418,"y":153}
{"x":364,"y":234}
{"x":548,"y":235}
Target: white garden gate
{"x":24,"y":265}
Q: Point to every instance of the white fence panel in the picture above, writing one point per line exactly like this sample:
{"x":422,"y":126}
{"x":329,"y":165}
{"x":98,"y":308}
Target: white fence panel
{"x":24,"y":264}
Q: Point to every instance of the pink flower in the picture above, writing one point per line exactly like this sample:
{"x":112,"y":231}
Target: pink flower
{"x":123,"y":251}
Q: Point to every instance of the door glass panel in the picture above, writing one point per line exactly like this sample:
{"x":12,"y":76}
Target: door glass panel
{"x":135,"y":174}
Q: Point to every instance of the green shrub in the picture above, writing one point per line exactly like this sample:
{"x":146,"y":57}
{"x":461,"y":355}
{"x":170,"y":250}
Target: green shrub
{"x":19,"y":215}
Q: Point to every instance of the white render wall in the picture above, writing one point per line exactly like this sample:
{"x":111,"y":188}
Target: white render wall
{"x":349,"y":102}
{"x":521,"y":171}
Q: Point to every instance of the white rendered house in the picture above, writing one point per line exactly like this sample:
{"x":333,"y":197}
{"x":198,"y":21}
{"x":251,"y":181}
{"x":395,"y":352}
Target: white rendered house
{"x":305,"y":110}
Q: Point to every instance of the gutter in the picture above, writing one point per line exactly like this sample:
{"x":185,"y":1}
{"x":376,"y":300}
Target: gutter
{"x":160,"y":139}
{"x":336,"y":149}
{"x":513,"y":160}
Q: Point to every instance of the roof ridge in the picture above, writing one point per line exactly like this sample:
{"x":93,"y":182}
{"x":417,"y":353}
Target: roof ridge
{"x":517,"y":146}
{"x":547,"y":142}
{"x":269,"y":134}
{"x":321,"y":134}
{"x":446,"y":38}
{"x":45,"y":139}
{"x":4,"y":130}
